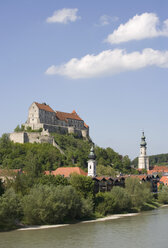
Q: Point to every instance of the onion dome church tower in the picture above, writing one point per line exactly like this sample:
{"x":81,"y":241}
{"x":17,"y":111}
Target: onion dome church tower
{"x":143,"y":160}
{"x":92,"y":163}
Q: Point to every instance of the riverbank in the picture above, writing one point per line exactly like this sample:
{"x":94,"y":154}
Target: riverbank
{"x":110,"y":217}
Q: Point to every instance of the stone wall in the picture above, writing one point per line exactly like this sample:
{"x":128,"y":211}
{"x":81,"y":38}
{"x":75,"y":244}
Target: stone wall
{"x":25,"y":137}
{"x":17,"y":137}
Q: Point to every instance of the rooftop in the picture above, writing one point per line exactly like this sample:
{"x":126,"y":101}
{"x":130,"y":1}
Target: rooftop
{"x":66,"y":171}
{"x":44,"y":106}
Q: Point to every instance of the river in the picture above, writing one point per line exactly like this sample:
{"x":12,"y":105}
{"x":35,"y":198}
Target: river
{"x":148,"y":229}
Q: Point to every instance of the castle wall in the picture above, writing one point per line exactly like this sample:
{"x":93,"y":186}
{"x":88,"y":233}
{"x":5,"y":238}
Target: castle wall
{"x":33,"y":116}
{"x":35,"y":137}
{"x":47,"y":117}
{"x":17,"y":137}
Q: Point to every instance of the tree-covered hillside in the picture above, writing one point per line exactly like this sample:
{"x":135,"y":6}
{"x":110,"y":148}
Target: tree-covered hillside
{"x":160,"y":159}
{"x":46,"y":157}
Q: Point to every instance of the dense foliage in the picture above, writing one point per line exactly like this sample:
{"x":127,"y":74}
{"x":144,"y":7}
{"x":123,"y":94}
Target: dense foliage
{"x":35,"y":198}
{"x":115,"y":201}
{"x":10,"y":209}
{"x":163,"y":195}
{"x":134,"y":197}
{"x":41,"y":199}
{"x":51,"y":205}
{"x":42,"y":157}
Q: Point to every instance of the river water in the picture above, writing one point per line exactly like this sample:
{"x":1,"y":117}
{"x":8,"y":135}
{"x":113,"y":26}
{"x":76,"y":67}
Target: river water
{"x":148,"y":229}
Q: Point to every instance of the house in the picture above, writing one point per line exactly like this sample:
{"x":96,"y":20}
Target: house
{"x":164,"y":180}
{"x":158,"y":169}
{"x":66,"y":171}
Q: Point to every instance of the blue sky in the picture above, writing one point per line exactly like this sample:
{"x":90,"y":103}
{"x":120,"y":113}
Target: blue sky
{"x":118,"y":80}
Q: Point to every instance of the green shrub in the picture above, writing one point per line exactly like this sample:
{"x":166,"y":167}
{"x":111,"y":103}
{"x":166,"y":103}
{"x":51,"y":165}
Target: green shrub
{"x":163,"y":195}
{"x":139,"y":192}
{"x":115,"y":201}
{"x":10,"y":209}
{"x":50,"y":205}
{"x":83,"y":185}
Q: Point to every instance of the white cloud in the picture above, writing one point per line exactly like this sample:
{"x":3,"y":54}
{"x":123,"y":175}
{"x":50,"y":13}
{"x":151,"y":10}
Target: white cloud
{"x":106,"y":20}
{"x":138,"y":28}
{"x":64,"y":16}
{"x":110,"y":62}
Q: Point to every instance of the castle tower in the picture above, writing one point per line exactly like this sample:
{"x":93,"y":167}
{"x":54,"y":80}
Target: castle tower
{"x":92,"y":163}
{"x":143,"y":160}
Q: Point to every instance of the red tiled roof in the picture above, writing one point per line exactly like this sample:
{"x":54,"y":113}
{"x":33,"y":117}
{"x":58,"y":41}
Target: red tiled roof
{"x":66,"y":171}
{"x":101,"y":178}
{"x":158,"y":169}
{"x":104,"y":178}
{"x":47,"y":172}
{"x":44,"y":107}
{"x":61,"y":115}
{"x":164,"y":179}
{"x":64,"y":116}
{"x":86,"y":125}
{"x":141,"y":177}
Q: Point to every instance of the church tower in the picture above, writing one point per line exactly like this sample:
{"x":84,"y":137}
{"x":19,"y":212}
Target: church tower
{"x":143,"y":160}
{"x":92,"y":163}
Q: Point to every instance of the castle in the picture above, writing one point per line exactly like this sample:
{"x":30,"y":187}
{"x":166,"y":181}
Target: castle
{"x":42,"y":117}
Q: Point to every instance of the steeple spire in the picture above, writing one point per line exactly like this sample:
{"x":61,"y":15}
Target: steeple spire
{"x":91,"y":154}
{"x":92,"y":163}
{"x":143,"y":142}
{"x":143,"y":161}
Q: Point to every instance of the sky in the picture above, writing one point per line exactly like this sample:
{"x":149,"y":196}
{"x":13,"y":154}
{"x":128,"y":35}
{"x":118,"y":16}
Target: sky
{"x":106,"y":59}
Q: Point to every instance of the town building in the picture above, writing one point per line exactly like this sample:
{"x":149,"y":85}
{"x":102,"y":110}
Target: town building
{"x":143,"y":160}
{"x":164,"y":180}
{"x":66,"y":171}
{"x":161,"y":170}
{"x":92,"y":163}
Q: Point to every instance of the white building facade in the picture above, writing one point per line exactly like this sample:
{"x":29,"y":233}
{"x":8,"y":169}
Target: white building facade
{"x":92,"y":163}
{"x":143,"y":160}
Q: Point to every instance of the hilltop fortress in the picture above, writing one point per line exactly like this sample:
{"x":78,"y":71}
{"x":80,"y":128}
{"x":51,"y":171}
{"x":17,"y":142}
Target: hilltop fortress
{"x":43,"y":120}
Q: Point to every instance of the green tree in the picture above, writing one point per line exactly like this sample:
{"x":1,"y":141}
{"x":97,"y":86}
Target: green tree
{"x":10,"y":209}
{"x":53,"y":180}
{"x":1,"y":187}
{"x":50,"y":205}
{"x":126,"y":162}
{"x":83,"y":185}
{"x":115,"y":201}
{"x":102,"y":170}
{"x":139,"y":192}
{"x":163,"y":195}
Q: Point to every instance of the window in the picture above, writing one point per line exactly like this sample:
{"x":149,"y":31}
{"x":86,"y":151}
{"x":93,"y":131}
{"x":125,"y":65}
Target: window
{"x":90,"y":167}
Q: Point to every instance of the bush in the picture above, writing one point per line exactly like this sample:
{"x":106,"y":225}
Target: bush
{"x":10,"y":209}
{"x":53,"y":180}
{"x":163,"y":195}
{"x":1,"y":187}
{"x":116,"y":201}
{"x":50,"y":205}
{"x":83,"y":185}
{"x":138,"y":191}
